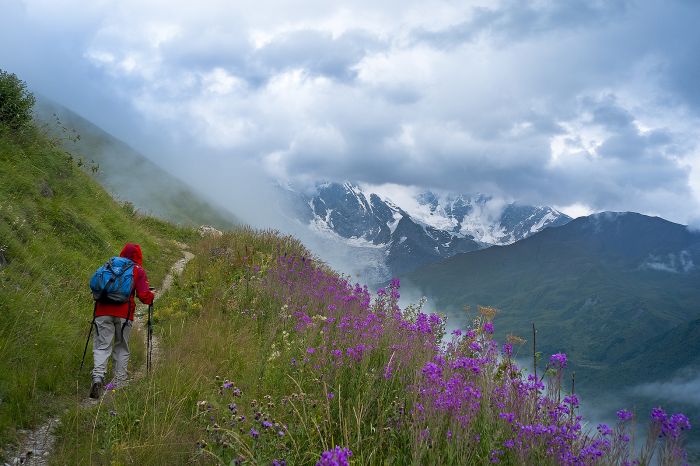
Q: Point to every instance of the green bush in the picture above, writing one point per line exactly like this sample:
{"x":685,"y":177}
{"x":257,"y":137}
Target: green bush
{"x":16,"y":102}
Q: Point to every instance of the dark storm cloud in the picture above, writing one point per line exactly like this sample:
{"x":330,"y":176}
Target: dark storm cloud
{"x":318,"y":52}
{"x":626,"y":141}
{"x":514,"y":20}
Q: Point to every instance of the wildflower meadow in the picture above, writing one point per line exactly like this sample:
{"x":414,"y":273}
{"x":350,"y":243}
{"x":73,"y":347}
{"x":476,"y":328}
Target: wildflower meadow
{"x":375,"y":383}
{"x":271,"y":358}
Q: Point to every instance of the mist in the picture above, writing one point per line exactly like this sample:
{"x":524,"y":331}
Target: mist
{"x":681,"y":389}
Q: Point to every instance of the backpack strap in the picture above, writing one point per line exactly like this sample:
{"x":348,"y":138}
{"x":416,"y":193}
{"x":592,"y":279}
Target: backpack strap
{"x":129,"y":313}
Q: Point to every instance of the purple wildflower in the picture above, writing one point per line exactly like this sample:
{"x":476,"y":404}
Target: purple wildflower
{"x":658,"y":415}
{"x":604,"y":429}
{"x":558,"y":360}
{"x":572,"y":400}
{"x":254,"y":433}
{"x":388,"y":371}
{"x":336,"y":457}
{"x":675,"y":424}
{"x":508,"y":349}
{"x":488,"y":328}
{"x":432,"y":370}
{"x":624,"y":415}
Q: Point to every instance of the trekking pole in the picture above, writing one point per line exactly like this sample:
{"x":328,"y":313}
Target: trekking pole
{"x":149,"y":338}
{"x":86,"y":345}
{"x":92,"y":324}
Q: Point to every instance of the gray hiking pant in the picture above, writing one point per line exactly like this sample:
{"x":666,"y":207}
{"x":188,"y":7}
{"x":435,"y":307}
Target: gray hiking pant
{"x":109,"y":328}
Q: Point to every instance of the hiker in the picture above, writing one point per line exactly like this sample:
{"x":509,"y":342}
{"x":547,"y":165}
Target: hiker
{"x":113,"y":320}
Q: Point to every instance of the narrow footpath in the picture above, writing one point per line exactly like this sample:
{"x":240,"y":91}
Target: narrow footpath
{"x":36,"y":445}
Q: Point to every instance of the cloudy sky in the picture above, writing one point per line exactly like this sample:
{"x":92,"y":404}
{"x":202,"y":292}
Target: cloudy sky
{"x":584,"y":105}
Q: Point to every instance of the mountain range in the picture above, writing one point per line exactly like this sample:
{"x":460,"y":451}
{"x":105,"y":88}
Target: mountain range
{"x":615,"y":291}
{"x":431,"y":227}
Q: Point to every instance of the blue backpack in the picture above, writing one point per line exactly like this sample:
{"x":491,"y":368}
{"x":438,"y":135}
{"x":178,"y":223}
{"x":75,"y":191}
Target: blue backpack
{"x":114,"y":281}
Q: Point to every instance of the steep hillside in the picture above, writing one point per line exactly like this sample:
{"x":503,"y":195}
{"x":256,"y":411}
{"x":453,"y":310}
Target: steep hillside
{"x":56,"y":226}
{"x":127,"y":174}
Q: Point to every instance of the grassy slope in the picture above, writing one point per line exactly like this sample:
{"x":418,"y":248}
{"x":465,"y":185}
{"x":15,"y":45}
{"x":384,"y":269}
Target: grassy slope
{"x":218,"y":324}
{"x":127,"y":174}
{"x":56,"y":226}
{"x":205,"y":338}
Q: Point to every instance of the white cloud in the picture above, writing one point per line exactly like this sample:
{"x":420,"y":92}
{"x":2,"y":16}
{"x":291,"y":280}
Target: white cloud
{"x":575,"y":210}
{"x":680,"y":389}
{"x":577,"y":106}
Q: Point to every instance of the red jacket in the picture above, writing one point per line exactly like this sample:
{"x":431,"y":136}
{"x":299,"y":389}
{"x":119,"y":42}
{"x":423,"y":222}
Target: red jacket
{"x":141,"y":289}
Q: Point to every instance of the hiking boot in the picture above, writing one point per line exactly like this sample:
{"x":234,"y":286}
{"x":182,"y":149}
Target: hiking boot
{"x":96,"y":389}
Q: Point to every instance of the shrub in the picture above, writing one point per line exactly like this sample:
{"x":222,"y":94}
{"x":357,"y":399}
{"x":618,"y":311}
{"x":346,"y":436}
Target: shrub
{"x":16,"y":102}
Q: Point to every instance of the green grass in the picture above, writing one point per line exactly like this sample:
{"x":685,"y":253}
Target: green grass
{"x":204,"y":335}
{"x":57,"y":225}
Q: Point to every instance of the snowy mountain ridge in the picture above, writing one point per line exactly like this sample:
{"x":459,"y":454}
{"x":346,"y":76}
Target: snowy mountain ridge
{"x":418,"y":228}
{"x":479,"y":217}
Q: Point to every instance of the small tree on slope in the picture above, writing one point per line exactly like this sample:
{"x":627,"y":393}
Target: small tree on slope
{"x":16,"y":102}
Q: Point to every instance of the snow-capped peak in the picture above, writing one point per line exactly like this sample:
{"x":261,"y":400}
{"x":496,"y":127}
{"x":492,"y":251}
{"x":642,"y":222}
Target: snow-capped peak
{"x":414,"y":226}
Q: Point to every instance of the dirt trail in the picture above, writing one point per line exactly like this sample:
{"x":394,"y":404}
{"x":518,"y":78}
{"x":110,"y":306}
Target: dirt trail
{"x":36,"y":445}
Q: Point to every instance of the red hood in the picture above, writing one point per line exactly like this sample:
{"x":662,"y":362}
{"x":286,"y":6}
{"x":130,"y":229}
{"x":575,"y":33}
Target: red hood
{"x":132,"y":251}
